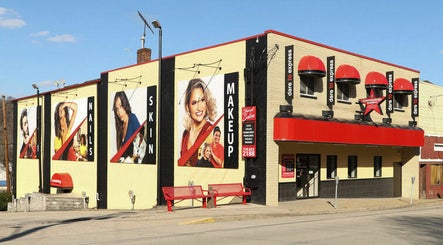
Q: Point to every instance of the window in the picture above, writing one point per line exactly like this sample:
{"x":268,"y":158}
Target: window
{"x":378,"y":92}
{"x":438,"y":147}
{"x":331,"y":162}
{"x":343,"y":91}
{"x":307,"y":85}
{"x":436,"y":174}
{"x":377,"y":166}
{"x":400,"y":101}
{"x":352,"y":166}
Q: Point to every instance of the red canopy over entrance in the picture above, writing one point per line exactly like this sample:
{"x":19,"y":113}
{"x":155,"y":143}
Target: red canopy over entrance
{"x":322,"y":131}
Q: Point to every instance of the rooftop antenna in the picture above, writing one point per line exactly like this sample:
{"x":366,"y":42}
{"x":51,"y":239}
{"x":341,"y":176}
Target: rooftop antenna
{"x":144,"y":31}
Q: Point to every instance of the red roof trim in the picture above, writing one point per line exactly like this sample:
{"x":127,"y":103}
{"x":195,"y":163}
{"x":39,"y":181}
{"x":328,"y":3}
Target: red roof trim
{"x":73,"y":86}
{"x":339,"y":50}
{"x":321,"y":131}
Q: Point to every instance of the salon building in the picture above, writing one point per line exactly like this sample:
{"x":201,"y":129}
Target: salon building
{"x":295,"y":117}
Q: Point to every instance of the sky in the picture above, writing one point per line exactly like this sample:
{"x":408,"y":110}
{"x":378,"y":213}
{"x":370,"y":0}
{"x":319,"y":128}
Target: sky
{"x":51,"y":43}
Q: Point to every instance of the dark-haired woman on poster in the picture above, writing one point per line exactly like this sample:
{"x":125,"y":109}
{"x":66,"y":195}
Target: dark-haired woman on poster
{"x":126,"y":123}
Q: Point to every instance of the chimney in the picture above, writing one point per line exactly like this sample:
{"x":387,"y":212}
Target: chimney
{"x":143,"y":55}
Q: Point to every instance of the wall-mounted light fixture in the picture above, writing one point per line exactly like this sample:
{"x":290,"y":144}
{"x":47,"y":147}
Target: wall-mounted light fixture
{"x":387,"y":120}
{"x":286,"y":108}
{"x":327,"y":113}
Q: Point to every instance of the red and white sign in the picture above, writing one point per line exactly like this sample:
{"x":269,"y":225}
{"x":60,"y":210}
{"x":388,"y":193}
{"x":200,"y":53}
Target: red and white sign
{"x":249,"y":118}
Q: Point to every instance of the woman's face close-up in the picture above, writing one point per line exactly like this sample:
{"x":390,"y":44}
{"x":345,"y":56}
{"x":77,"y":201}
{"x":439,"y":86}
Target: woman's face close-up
{"x":197,"y":105}
{"x":207,"y":153}
{"x":119,"y":110}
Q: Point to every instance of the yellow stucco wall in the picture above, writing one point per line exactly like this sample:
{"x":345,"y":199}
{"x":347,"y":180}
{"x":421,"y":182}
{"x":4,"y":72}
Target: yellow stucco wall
{"x":27,"y":170}
{"x":123,"y":177}
{"x":83,"y":173}
{"x":231,"y":59}
{"x":431,"y":108}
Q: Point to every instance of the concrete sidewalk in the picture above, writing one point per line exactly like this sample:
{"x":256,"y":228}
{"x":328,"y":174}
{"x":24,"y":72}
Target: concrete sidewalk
{"x":228,"y":212}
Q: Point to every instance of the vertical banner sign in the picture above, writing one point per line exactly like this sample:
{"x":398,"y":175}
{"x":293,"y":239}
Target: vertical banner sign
{"x":330,"y":100}
{"x":390,"y":93}
{"x":249,"y":118}
{"x":287,"y":165}
{"x":414,"y":109}
{"x":151,"y":149}
{"x":90,"y":125}
{"x":289,"y":74}
{"x":231,"y":120}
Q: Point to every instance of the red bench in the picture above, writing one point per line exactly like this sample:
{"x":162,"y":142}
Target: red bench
{"x":227,"y":190}
{"x":176,"y":194}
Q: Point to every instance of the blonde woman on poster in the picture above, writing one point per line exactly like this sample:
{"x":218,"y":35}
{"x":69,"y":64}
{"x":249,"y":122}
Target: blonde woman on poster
{"x":200,"y":114}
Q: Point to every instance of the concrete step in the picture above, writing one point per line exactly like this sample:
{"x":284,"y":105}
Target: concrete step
{"x":48,"y":202}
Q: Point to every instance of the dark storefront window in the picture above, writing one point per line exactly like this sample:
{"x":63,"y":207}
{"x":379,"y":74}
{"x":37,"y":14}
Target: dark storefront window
{"x":343,"y":91}
{"x":377,"y":166}
{"x":307,"y":85}
{"x":331,"y":161}
{"x":352,"y":166}
{"x":400,"y":101}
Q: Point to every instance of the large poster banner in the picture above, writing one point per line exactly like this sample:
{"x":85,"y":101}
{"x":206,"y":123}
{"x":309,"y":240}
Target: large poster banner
{"x":128,"y":137}
{"x":70,"y":137}
{"x":28,"y":133}
{"x":208,"y":121}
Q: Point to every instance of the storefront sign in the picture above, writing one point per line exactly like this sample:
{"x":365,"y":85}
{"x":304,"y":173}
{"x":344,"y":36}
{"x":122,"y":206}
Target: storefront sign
{"x":249,"y":125}
{"x":289,"y":74}
{"x":90,"y":125}
{"x":330,"y":100}
{"x":414,"y":112}
{"x":390,"y":92}
{"x":287,"y":165}
{"x":372,"y":103}
{"x":151,"y":125}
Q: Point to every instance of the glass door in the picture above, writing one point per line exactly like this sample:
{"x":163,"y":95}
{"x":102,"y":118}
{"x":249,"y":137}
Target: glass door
{"x":308,"y":175}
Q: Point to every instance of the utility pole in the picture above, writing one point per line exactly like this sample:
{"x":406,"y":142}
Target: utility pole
{"x":5,"y":133}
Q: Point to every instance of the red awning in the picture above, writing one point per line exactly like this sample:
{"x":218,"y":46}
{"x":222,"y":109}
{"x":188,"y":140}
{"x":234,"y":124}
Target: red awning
{"x":311,"y":66}
{"x":347,"y":74}
{"x":376,"y":80}
{"x":403,"y":86}
{"x":62,"y":180}
{"x":320,"y":131}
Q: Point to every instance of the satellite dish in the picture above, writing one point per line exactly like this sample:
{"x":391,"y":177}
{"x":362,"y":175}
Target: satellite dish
{"x":144,"y":29}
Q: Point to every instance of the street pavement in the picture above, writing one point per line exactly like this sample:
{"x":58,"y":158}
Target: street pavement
{"x":222,"y":213}
{"x":130,"y":226}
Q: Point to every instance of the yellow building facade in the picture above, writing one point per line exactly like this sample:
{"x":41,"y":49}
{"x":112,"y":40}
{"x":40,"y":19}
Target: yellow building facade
{"x":291,"y":116}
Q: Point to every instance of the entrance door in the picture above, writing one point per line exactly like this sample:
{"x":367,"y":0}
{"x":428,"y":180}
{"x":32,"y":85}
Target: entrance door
{"x":397,"y":179}
{"x":308,"y":175}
